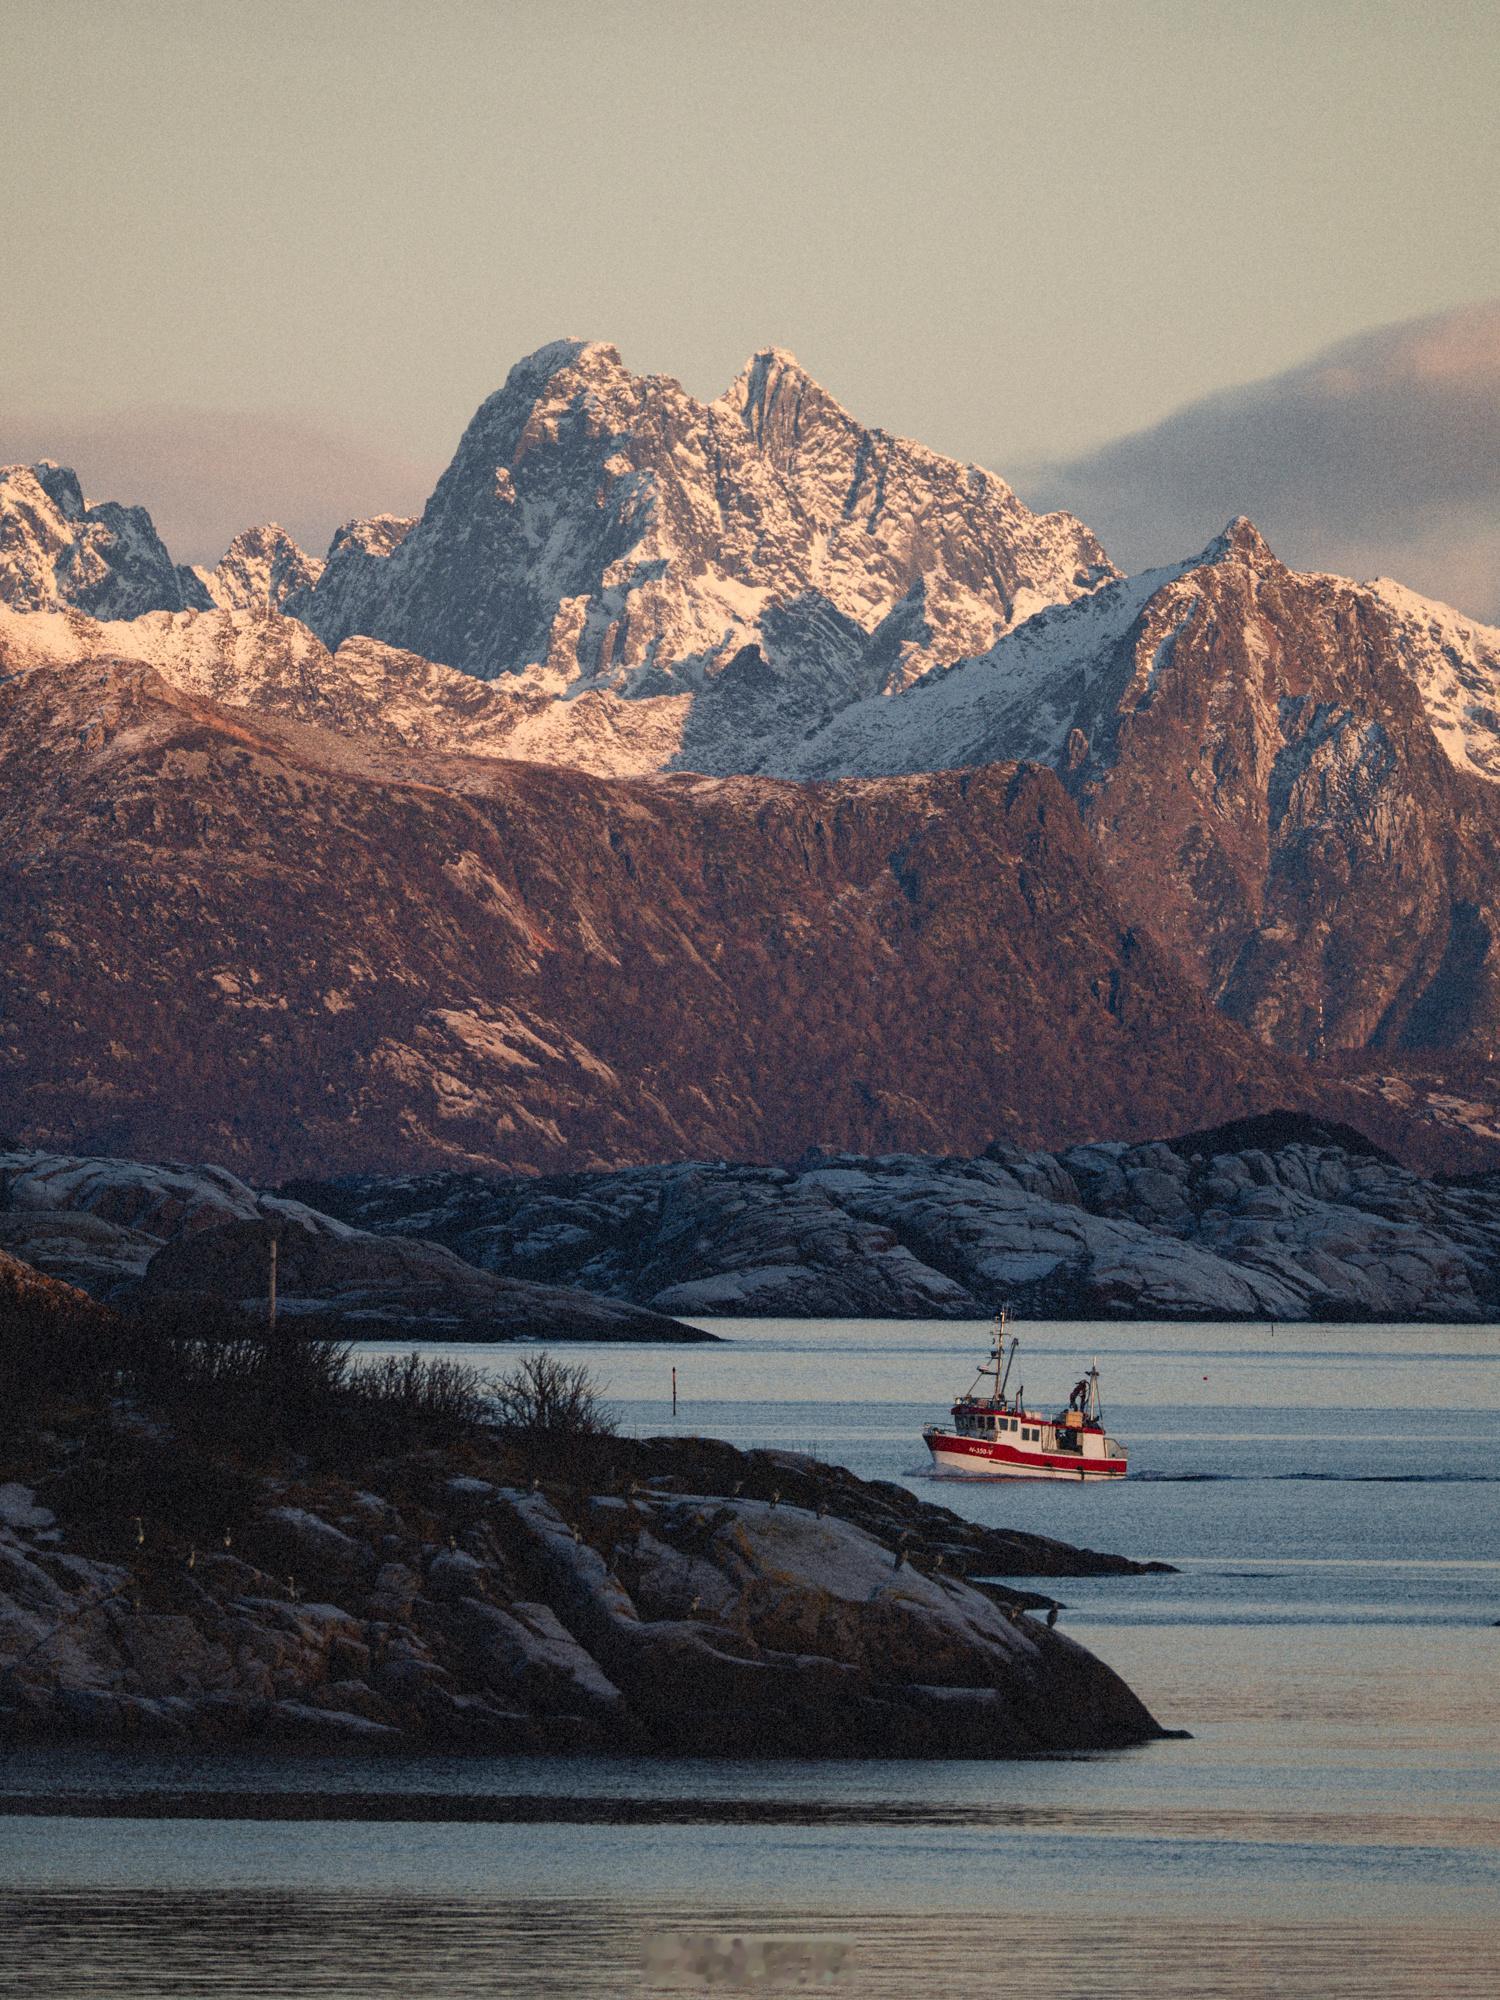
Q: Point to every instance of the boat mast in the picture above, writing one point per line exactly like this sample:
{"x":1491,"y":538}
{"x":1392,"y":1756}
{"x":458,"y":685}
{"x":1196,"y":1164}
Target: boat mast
{"x":1002,"y":1320}
{"x":999,"y":1362}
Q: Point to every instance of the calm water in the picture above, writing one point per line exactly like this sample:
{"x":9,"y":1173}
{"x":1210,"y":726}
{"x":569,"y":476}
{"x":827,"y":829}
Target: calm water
{"x":1332,"y":1497}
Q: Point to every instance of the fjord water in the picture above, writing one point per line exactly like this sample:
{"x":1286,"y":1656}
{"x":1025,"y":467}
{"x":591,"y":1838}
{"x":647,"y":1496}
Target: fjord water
{"x":1331,"y":1498}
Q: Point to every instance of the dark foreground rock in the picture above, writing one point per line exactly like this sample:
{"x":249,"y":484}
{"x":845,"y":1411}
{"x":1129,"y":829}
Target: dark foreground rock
{"x":706,"y":1601}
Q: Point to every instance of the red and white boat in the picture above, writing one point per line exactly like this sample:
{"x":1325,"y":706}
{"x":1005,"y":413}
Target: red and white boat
{"x":996,"y":1435}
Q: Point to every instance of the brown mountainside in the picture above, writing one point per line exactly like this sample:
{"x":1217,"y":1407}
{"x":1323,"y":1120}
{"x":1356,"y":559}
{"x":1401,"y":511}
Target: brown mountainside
{"x":231,"y":937}
{"x":1260,"y":771}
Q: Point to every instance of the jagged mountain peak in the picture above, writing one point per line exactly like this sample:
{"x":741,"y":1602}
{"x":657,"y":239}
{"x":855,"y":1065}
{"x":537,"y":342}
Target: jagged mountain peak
{"x":611,"y":531}
{"x":260,"y":570}
{"x":771,"y":393}
{"x":57,"y":549}
{"x":1241,"y":541}
{"x":61,"y":485}
{"x":551,"y":375}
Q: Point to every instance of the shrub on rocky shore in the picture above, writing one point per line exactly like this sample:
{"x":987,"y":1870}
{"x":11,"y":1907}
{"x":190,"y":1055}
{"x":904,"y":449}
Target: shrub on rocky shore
{"x":215,"y":1532}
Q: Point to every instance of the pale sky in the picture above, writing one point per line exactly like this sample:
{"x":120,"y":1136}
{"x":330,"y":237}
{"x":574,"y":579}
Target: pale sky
{"x":1013,"y":231}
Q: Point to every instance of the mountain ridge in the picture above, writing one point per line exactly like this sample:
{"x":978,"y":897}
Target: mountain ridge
{"x":472,"y":961}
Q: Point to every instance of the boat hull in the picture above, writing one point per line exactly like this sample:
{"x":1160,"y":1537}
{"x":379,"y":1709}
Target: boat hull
{"x":997,"y":1459}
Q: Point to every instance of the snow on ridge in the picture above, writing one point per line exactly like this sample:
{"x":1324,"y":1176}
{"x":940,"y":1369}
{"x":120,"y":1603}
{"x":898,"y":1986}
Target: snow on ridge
{"x":1015,"y":701}
{"x":366,"y":692}
{"x":1454,"y":661}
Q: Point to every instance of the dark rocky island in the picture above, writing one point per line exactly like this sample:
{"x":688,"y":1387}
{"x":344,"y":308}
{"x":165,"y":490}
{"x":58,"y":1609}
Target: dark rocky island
{"x":257,"y":1540}
{"x":1279,"y":1217}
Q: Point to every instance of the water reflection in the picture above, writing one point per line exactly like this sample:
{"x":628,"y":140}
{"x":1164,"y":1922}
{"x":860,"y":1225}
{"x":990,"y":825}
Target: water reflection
{"x":267,"y":1946}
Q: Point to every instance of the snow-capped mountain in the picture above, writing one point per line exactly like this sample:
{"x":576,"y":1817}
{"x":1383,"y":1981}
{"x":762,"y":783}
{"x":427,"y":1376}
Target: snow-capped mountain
{"x":259,"y":571}
{"x":1289,"y":777}
{"x":606,"y":530}
{"x":1292,"y":780}
{"x":56,"y":550}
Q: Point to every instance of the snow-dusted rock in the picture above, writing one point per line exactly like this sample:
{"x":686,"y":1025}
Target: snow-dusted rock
{"x":259,"y":571}
{"x":1455,"y":662}
{"x":56,"y":549}
{"x":372,"y":693}
{"x":609,"y":531}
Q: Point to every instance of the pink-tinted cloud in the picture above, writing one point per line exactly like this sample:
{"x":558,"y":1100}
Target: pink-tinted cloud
{"x":205,"y":474}
{"x":1381,"y":456}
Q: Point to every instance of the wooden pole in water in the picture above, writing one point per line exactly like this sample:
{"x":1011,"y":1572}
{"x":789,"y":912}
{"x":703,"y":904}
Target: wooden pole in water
{"x":674,"y":1392}
{"x":271,"y":1290}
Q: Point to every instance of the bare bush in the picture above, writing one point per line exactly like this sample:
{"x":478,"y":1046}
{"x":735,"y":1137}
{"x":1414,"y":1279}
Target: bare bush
{"x":550,"y":1400}
{"x":446,"y":1394}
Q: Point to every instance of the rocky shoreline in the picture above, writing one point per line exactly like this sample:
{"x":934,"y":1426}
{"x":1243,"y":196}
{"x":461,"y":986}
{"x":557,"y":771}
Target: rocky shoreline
{"x":674,"y":1596}
{"x":1281,"y":1217}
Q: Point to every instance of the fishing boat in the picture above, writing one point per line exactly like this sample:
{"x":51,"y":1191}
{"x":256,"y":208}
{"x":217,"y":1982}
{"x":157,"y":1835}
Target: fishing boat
{"x":994,"y":1433}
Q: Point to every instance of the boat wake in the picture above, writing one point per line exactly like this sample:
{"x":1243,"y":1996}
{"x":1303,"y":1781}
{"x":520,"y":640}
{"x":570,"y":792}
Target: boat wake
{"x":1318,"y":1478}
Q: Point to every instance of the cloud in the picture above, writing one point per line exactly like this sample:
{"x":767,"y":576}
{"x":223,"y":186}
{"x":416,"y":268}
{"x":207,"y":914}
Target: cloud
{"x":1379,"y":457}
{"x":206,"y":474}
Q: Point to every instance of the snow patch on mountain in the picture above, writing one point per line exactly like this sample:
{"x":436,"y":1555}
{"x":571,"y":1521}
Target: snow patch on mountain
{"x":1455,"y":662}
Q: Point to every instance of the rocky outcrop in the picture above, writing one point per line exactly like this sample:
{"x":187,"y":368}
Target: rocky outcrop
{"x":138,"y":1235}
{"x":801,"y":1613}
{"x":39,"y":1295}
{"x":57,"y":550}
{"x":1275,"y":1218}
{"x":514,"y":966}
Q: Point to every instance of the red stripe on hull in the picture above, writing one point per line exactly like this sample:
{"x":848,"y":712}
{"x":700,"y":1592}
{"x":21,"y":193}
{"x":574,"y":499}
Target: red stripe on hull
{"x":980,"y":1455}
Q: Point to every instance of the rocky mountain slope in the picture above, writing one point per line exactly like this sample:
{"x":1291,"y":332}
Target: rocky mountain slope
{"x":1290,"y":780}
{"x":373,"y":955}
{"x":1288,"y":776}
{"x":608,"y":530}
{"x":1278,"y":1218}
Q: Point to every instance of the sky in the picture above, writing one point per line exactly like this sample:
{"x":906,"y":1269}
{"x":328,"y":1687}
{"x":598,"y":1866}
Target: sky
{"x":266,"y":261}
